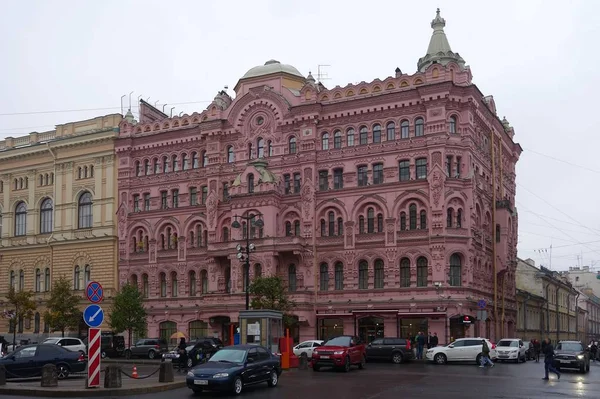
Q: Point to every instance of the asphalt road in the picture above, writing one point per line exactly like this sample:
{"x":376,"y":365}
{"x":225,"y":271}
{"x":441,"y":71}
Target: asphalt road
{"x":419,"y":380}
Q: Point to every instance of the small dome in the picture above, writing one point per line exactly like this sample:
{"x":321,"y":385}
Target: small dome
{"x":271,"y":66}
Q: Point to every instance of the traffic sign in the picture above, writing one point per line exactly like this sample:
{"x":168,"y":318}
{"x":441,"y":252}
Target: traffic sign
{"x":93,"y":316}
{"x":94,"y":292}
{"x":482,"y":304}
{"x":93,"y":374}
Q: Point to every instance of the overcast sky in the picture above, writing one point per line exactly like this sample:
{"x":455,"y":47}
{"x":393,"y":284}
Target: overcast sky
{"x":537,"y":58}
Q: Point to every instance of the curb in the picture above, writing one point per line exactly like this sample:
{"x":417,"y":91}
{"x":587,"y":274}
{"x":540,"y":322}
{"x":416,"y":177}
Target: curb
{"x":97,"y":392}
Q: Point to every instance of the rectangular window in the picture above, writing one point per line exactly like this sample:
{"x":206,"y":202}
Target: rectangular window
{"x":404,"y":170}
{"x":350,"y":138}
{"x":458,"y":159}
{"x":164,"y":202}
{"x":175,"y":198}
{"x":362,"y":176}
{"x":225,"y":192}
{"x":405,"y":275}
{"x":449,"y":165}
{"x":363,"y":277}
{"x":421,"y":276}
{"x":297,"y":183}
{"x":147,"y":202}
{"x":363,"y":136}
{"x":378,"y":173}
{"x":193,"y":196}
{"x":339,"y":277}
{"x":287,"y":184}
{"x":338,"y":179}
{"x":323,"y":180}
{"x":377,"y":135}
{"x":421,"y":164}
{"x":204,"y":195}
{"x":136,"y":203}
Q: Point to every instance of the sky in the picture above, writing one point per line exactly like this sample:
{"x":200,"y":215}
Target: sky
{"x":63,"y":61}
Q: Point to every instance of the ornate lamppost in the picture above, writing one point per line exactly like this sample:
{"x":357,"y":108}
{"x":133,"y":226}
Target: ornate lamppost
{"x":243,"y":253}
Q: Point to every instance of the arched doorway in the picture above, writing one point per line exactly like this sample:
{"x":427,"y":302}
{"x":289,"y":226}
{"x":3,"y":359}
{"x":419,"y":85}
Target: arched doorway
{"x":329,"y":328}
{"x":166,"y":329}
{"x":370,"y":328}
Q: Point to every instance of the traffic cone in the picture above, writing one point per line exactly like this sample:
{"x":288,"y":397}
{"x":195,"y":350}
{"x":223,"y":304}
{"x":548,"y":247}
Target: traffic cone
{"x":134,"y":374}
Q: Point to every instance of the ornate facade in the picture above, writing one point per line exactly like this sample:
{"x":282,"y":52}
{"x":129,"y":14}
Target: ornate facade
{"x":58,"y":214}
{"x":377,"y":200}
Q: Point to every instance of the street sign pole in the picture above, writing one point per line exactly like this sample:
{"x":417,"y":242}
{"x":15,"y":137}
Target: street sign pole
{"x":93,"y":378}
{"x":93,"y":315}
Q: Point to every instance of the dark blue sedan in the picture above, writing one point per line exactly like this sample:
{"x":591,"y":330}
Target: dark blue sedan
{"x":234,"y":367}
{"x":27,"y":361}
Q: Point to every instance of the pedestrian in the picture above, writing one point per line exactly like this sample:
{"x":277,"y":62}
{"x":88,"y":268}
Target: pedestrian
{"x":537,"y":348}
{"x":429,"y":338}
{"x":420,"y":345}
{"x":434,"y":340}
{"x":593,"y":351}
{"x":549,"y":360}
{"x":183,"y":356}
{"x":485,"y":355}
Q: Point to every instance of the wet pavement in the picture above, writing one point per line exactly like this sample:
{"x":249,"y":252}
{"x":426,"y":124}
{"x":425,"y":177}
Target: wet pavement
{"x":419,"y":380}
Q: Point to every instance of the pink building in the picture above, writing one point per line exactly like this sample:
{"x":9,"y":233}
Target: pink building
{"x":376,"y":200}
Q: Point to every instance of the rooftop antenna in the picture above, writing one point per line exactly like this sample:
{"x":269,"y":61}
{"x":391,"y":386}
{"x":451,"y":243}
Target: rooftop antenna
{"x":130,"y":100}
{"x":321,"y":73}
{"x":156,"y":102}
{"x":140,"y":96}
{"x":122,"y":97}
{"x":164,"y":105}
{"x":172,"y":108}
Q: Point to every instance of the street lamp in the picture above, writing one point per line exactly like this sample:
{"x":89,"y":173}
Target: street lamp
{"x":243,"y":253}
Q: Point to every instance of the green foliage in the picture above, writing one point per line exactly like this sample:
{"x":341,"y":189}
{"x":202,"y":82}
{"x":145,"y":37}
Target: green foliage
{"x":271,"y":293}
{"x":128,"y":312}
{"x":22,"y":304}
{"x":63,"y":307}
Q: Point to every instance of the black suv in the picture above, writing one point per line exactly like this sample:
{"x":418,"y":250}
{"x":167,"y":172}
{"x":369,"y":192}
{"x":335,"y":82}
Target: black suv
{"x":397,"y":350}
{"x":571,"y":355}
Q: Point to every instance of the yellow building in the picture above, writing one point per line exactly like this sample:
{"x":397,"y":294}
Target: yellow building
{"x":58,"y":200}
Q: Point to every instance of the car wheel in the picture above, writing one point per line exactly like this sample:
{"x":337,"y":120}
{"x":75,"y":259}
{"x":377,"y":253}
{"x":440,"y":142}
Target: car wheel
{"x":237,"y":386}
{"x":273,"y":379}
{"x":62,"y":371}
{"x":363,"y":363}
{"x":127,"y":354}
{"x":397,"y":358}
{"x":151,"y":355}
{"x":347,"y":365}
{"x":190,"y":362}
{"x":440,"y":358}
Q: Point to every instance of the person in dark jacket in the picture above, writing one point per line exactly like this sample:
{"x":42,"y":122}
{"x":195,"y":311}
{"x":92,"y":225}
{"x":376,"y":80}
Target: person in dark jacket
{"x":549,"y":360}
{"x":537,"y":348}
{"x":420,"y":344}
{"x":434,"y":340}
{"x":183,"y":356}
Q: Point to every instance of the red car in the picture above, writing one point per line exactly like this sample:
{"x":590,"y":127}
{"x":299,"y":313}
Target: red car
{"x":340,"y":352}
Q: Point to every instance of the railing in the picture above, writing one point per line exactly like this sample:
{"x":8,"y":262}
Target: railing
{"x":83,"y":233}
{"x":331,"y":240}
{"x":370,"y":237}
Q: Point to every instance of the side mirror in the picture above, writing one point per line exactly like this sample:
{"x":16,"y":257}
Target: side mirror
{"x":450,"y":346}
{"x":250,"y":360}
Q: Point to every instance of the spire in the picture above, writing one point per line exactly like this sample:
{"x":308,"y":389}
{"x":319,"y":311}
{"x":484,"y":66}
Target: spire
{"x":439,"y":48}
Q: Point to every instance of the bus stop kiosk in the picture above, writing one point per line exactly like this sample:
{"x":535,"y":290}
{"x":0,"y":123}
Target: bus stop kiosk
{"x":261,"y":327}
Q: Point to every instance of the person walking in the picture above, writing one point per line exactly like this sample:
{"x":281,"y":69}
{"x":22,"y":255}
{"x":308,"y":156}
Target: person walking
{"x":420,"y":345}
{"x":485,"y":355}
{"x":434,"y":340}
{"x":593,"y":350}
{"x":537,"y":348}
{"x":183,"y":356}
{"x":549,"y":360}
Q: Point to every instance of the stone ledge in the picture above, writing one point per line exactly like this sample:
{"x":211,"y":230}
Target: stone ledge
{"x":91,"y":392}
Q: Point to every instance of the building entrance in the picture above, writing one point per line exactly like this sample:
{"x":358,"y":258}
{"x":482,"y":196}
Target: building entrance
{"x":370,"y":328}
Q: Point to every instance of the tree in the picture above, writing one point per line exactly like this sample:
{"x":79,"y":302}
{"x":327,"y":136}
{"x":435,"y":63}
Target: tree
{"x":63,"y":307}
{"x":23,"y":307}
{"x":127,"y":312}
{"x":271,"y":293}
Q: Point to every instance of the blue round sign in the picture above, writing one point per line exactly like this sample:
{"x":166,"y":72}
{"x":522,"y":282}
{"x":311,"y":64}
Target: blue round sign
{"x":94,"y":292}
{"x":481,"y":303}
{"x":93,"y":316}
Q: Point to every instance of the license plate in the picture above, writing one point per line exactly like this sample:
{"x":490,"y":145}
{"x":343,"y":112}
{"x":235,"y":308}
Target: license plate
{"x":200,"y":382}
{"x":565,"y":361}
{"x":324,"y":357}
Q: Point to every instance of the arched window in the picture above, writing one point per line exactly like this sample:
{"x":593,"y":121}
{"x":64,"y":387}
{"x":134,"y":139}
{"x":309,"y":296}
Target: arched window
{"x":41,"y":180}
{"x":337,"y":139}
{"x":412,"y":215}
{"x":404,"y":272}
{"x":204,"y":281}
{"x":339,"y":276}
{"x":174,"y":285}
{"x":377,"y":133}
{"x":455,"y":270}
{"x":204,"y":159}
{"x":363,"y":275}
{"x":402,"y":221}
{"x":324,"y":277}
{"x":323,"y":228}
{"x":38,"y":280}
{"x":363,"y":135}
{"x":91,"y":170}
{"x":46,"y":216}
{"x":297,"y":228}
{"x":260,"y":146}
{"x":77,"y":278}
{"x":11,"y":280}
{"x":350,"y":137}
{"x":423,"y":221}
{"x":404,"y":129}
{"x":225,"y":234}
{"x":292,"y":278}
{"x":378,"y":283}
{"x":269,"y":148}
{"x":325,"y":141}
{"x":47,"y":280}
{"x":192,"y":280}
{"x":370,"y":220}
{"x":85,"y":211}
{"x":175,"y":161}
{"x":185,"y":161}
{"x":138,"y":169}
{"x":20,"y":219}
{"x":147,"y":170}
{"x":87,"y":274}
{"x":419,"y":128}
{"x":257,"y":271}
{"x":459,"y":218}
{"x":379,"y":223}
{"x":288,"y":229}
{"x":36,"y":323}
{"x":134,"y":280}
{"x":331,"y":223}
{"x":165,"y":165}
{"x":250,"y":183}
{"x":162,"y":278}
{"x":452,"y":124}
{"x":391,"y":131}
{"x":230,"y":154}
{"x":145,"y":286}
{"x":21,"y":280}
{"x":292,"y":145}
{"x":340,"y":226}
{"x":155,"y":166}
{"x":449,"y":217}
{"x":195,"y":163}
{"x":361,"y":224}
{"x":422,"y":272}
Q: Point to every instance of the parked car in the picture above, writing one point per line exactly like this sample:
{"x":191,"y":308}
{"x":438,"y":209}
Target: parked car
{"x":571,"y":355}
{"x":397,"y":350}
{"x":511,"y":349}
{"x":196,"y":351}
{"x":461,"y":350}
{"x":307,"y":347}
{"x":72,"y":344}
{"x":235,"y":367}
{"x":27,"y":361}
{"x":152,"y":348}
{"x":340,"y":352}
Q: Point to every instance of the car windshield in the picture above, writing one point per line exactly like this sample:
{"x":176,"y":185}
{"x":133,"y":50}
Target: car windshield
{"x":229,"y":356}
{"x":513,"y":344}
{"x":569,"y":346}
{"x":51,"y":340}
{"x":338,"y":341}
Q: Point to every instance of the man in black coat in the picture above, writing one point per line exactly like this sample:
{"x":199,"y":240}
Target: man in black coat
{"x":434,"y":340}
{"x":549,"y":360}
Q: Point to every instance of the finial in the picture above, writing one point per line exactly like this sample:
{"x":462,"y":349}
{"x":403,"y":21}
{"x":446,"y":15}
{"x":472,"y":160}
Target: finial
{"x":438,"y":11}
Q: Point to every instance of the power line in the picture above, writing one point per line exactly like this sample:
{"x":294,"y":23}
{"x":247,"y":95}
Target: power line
{"x":559,"y":220}
{"x":562,"y":160}
{"x":541,"y":225}
{"x":563,"y":246}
